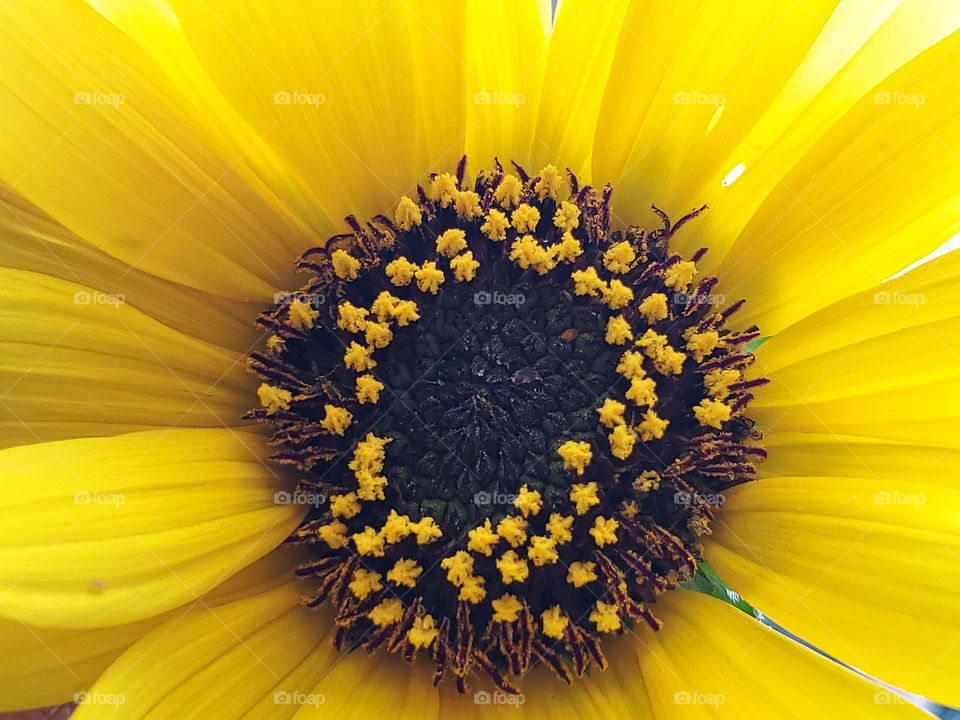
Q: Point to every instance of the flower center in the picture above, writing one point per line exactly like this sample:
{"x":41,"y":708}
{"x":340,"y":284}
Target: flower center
{"x":521,"y":422}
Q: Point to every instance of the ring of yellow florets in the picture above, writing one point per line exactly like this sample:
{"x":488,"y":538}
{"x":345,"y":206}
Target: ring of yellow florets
{"x":585,"y":546}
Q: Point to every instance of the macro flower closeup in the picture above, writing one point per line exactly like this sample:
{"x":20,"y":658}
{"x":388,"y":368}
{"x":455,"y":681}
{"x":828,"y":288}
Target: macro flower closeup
{"x":419,"y":359}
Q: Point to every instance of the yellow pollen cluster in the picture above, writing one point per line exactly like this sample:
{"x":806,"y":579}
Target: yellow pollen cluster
{"x":467,"y":205}
{"x":351,"y":318}
{"x":483,"y":539}
{"x":512,"y":568}
{"x":345,"y":265}
{"x":508,"y":191}
{"x":654,"y":307}
{"x":495,"y":226}
{"x":542,"y":550}
{"x":443,"y":189}
{"x":569,"y":249}
{"x":396,"y":527}
{"x":506,"y":608}
{"x":618,"y":330}
{"x":605,"y":617}
{"x":346,"y":506}
{"x":665,"y":359}
{"x":336,"y":420}
{"x":587,"y":282}
{"x":611,"y":413}
{"x":616,"y":295}
{"x":459,"y":567}
{"x":358,"y":358}
{"x":619,"y":258}
{"x":712,"y":413}
{"x":464,"y":267}
{"x":549,"y":183}
{"x":525,"y":218}
{"x":642,"y":391}
{"x":369,"y":542}
{"x":526,"y":252}
{"x":559,"y":528}
{"x":718,"y":382}
{"x":401,"y":271}
{"x":553,"y":622}
{"x":378,"y":334}
{"x":426,"y":530}
{"x":451,"y":241}
{"x":513,"y":529}
{"x":576,"y":455}
{"x":273,"y":398}
{"x":679,"y":275}
{"x":423,"y":632}
{"x":604,"y":531}
{"x":581,"y":573}
{"x":429,"y":278}
{"x":567,"y":216}
{"x":334,"y":534}
{"x":301,"y":315}
{"x":631,"y":365}
{"x":584,"y":496}
{"x":652,"y":427}
{"x":408,"y":214}
{"x":648,"y":480}
{"x":528,"y":501}
{"x":702,"y":344}
{"x":386,"y":613}
{"x":364,"y":582}
{"x":622,"y":440}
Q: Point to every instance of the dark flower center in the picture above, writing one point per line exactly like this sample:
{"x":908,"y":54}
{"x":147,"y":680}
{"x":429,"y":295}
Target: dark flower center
{"x":520,"y":420}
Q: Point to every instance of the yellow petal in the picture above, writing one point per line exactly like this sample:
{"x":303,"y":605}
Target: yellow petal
{"x":799,"y":454}
{"x":864,"y":569}
{"x":32,"y":240}
{"x":107,"y":145}
{"x":381,"y":686}
{"x":687,"y":82}
{"x":875,"y":193}
{"x":40,"y":667}
{"x":506,"y":48}
{"x":332,"y":89}
{"x":882,"y":364}
{"x":712,"y":660}
{"x":106,"y":531}
{"x":257,"y":657}
{"x":617,"y":692}
{"x":578,"y":66}
{"x":79,"y":362}
{"x":862,"y":44}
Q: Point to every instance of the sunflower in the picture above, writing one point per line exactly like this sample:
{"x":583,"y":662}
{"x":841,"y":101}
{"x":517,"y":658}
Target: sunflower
{"x":609,"y":312}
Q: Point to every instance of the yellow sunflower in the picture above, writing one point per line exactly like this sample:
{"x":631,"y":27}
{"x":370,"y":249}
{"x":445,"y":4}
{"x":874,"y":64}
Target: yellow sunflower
{"x":466,"y":461}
